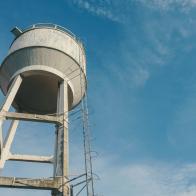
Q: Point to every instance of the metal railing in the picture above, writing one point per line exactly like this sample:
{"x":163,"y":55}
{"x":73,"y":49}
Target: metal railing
{"x":57,"y":27}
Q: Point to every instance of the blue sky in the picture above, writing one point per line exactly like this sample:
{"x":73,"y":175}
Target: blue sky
{"x":141,"y":87}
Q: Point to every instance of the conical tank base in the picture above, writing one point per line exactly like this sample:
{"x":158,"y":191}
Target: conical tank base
{"x":38,"y":94}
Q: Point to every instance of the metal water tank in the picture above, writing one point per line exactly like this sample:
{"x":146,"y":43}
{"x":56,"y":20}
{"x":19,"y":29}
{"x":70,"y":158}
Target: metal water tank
{"x":44,"y":55}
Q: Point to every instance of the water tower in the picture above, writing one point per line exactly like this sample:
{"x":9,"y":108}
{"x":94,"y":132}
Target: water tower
{"x":43,"y":77}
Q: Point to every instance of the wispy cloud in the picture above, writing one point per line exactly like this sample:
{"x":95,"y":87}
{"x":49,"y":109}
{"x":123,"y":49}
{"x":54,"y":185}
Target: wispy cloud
{"x":184,"y":5}
{"x":100,"y":8}
{"x":150,"y":178}
{"x":146,"y":179}
{"x":140,"y":76}
{"x":118,"y":10}
{"x":157,"y":41}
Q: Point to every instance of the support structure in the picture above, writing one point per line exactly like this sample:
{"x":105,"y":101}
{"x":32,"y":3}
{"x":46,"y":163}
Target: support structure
{"x":24,"y":183}
{"x":61,"y":147}
{"x":59,"y":183}
{"x":7,"y":103}
{"x":45,"y":73}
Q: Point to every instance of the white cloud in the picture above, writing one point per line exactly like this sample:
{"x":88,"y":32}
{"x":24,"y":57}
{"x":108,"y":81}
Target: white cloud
{"x":140,"y":77}
{"x":118,"y":10}
{"x":155,"y":179}
{"x":169,"y":4}
{"x":99,"y":8}
{"x":160,"y":45}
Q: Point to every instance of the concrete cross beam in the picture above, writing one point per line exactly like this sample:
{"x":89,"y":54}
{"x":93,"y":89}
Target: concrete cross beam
{"x":25,"y":183}
{"x":30,"y":158}
{"x":32,"y":117}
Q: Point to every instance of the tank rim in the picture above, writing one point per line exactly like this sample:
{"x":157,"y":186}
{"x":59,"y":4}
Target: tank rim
{"x":86,"y":86}
{"x":51,"y":26}
{"x":28,"y":71}
{"x":82,"y":70}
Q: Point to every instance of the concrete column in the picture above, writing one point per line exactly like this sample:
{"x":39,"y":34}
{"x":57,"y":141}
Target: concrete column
{"x":7,"y":103}
{"x":61,"y":147}
{"x":8,"y":143}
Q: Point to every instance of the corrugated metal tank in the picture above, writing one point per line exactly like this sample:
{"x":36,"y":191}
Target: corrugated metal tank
{"x":44,"y":55}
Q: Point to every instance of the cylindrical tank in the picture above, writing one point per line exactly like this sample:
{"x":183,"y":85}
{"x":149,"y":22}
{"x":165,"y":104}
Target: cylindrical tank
{"x":44,"y":55}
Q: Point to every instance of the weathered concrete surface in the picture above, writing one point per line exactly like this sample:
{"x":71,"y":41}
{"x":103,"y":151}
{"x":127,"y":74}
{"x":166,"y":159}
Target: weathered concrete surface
{"x":25,"y":183}
{"x":31,"y":117}
{"x":61,"y":159}
{"x":7,"y":104}
{"x":44,"y":57}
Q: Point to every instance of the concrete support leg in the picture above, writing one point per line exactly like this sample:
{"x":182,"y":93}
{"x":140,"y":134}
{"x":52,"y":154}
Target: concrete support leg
{"x":7,"y":103}
{"x":61,"y":151}
{"x":8,"y":143}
